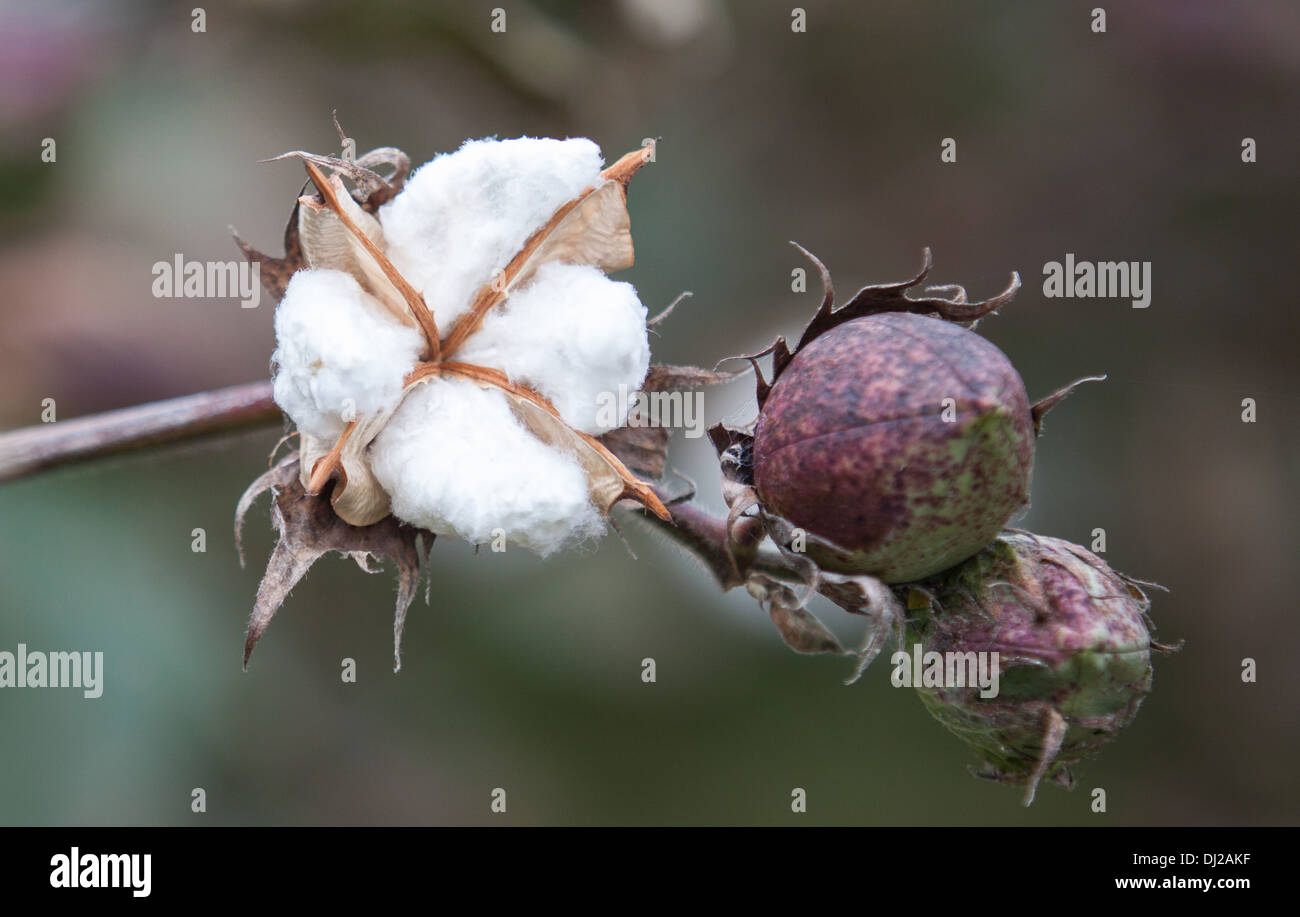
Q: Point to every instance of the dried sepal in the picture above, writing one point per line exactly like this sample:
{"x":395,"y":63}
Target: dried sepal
{"x":264,"y":482}
{"x":798,"y":627}
{"x":356,"y":496}
{"x":873,"y":300}
{"x":734,"y":447}
{"x":1038,"y":410}
{"x":780,"y":353}
{"x":308,"y":528}
{"x":872,"y":599}
{"x":668,"y":310}
{"x":642,"y":450}
{"x":892,"y":297}
{"x":745,"y":531}
{"x":663,"y":377}
{"x":275,"y":272}
{"x":372,"y":189}
{"x":858,"y":594}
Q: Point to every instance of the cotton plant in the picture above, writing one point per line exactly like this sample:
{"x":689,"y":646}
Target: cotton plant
{"x":455,"y":359}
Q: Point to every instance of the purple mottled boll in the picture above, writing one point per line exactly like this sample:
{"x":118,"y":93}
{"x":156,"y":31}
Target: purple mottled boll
{"x":904,"y":440}
{"x":1074,"y":652}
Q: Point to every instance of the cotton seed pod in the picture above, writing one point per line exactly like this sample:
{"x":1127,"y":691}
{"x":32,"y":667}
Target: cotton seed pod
{"x":1073,"y":645}
{"x":903,"y":440}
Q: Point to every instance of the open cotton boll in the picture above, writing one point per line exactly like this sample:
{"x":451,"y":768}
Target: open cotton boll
{"x":339,"y":354}
{"x":576,"y":337}
{"x":464,"y":215}
{"x":456,"y":461}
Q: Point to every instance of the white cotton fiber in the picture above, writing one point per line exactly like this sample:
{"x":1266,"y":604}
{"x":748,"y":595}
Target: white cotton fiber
{"x":339,"y":354}
{"x":464,"y":215}
{"x":576,"y":337}
{"x":456,"y":461}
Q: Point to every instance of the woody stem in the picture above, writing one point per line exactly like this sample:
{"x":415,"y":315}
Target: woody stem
{"x":48,"y":445}
{"x":705,"y":535}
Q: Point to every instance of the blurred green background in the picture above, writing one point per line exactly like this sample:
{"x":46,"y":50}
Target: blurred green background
{"x":526,"y":675}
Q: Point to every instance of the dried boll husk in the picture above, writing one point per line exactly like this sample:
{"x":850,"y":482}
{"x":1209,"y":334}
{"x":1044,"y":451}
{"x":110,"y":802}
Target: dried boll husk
{"x":1074,"y":650}
{"x":360,"y":347}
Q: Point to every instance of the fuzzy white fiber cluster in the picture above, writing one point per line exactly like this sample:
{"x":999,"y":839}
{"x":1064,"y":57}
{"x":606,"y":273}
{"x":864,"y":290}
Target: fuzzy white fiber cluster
{"x":339,"y":354}
{"x":576,"y":337}
{"x":453,"y":457}
{"x":456,"y":461}
{"x":464,"y":215}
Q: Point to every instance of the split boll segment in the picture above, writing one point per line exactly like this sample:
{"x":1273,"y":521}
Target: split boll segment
{"x":1074,"y":647}
{"x":457,"y":461}
{"x":479,"y":431}
{"x":463,"y":216}
{"x":339,"y":354}
{"x":574,"y":336}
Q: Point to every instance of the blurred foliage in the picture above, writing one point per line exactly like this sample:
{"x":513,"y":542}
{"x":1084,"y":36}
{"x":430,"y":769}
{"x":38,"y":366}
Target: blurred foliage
{"x":526,"y":675}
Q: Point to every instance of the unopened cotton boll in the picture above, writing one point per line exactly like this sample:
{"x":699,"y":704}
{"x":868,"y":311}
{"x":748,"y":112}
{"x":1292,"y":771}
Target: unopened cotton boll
{"x":576,"y":337}
{"x":464,"y":215}
{"x":339,"y":354}
{"x":456,"y":461}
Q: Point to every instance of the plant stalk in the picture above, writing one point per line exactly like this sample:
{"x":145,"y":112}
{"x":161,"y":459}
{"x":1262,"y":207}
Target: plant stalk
{"x":38,"y":448}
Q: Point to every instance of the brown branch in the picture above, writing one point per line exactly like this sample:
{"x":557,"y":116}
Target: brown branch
{"x":32,"y":449}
